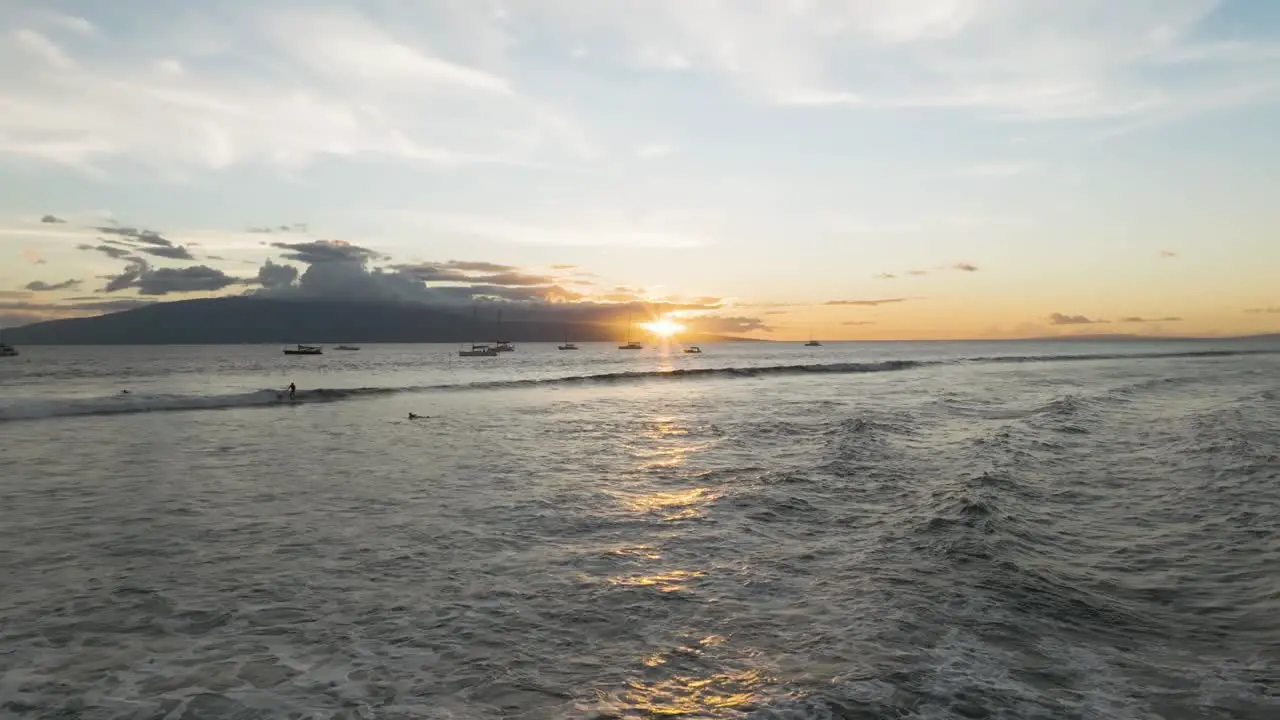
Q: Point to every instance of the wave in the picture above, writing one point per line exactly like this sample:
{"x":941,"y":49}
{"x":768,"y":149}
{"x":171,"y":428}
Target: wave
{"x":30,"y":409}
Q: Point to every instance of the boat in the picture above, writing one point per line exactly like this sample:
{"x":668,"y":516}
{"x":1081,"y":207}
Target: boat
{"x":502,"y":345}
{"x":631,"y":344}
{"x":567,"y":345}
{"x":347,"y":347}
{"x":480,"y":350}
{"x":7,"y":350}
{"x":812,"y":342}
{"x":693,"y":350}
{"x":304,"y":350}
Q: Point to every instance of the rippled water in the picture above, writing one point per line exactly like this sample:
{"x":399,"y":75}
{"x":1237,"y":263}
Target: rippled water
{"x":902,"y":530}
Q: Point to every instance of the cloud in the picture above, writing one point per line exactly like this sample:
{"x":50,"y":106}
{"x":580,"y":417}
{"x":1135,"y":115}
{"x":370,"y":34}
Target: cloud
{"x":1079,"y":60}
{"x":867,"y":303}
{"x":1168,"y":254}
{"x":999,"y":169}
{"x":110,"y":251}
{"x":653,"y":150}
{"x":176,"y":252}
{"x":1263,"y":310}
{"x":717,"y":325}
{"x":326,"y":251}
{"x":272,"y":276}
{"x":886,"y":276}
{"x":1060,"y":319}
{"x":14,"y":294}
{"x":38,"y":286}
{"x":965,"y":267}
{"x":52,"y":219}
{"x":277,"y":85}
{"x":165,"y":281}
{"x":136,"y":236}
{"x":583,"y":233}
{"x":859,"y":322}
{"x":917,"y":272}
{"x":268,"y":229}
{"x":32,"y":255}
{"x":478,"y":266}
{"x":1135,"y":319}
{"x":564,"y":267}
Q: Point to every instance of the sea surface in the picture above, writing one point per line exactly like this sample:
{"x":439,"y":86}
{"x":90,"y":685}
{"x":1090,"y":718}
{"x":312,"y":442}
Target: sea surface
{"x":860,"y":530}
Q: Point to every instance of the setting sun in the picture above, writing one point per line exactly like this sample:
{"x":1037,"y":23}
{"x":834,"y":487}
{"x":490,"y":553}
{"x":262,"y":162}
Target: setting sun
{"x":663,"y":328}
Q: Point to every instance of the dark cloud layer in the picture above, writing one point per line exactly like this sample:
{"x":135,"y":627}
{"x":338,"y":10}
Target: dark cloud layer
{"x":52,"y":219}
{"x":142,"y":237}
{"x":111,"y":251}
{"x":164,"y":281}
{"x":38,"y":286}
{"x":326,"y":251}
{"x":1061,"y":319}
{"x":176,"y":252}
{"x":271,"y":275}
{"x":716,"y":325}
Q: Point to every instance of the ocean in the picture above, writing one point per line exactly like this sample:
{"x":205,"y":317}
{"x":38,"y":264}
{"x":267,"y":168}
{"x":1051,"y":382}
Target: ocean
{"x":766,"y":530}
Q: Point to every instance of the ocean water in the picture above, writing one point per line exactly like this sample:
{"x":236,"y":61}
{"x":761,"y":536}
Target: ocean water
{"x":862,"y":530}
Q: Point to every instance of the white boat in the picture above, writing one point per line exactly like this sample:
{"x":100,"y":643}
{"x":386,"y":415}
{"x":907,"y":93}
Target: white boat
{"x":304,"y":350}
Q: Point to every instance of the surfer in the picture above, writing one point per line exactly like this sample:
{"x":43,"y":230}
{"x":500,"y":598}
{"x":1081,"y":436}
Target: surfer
{"x":414,"y":416}
{"x":292,"y":389}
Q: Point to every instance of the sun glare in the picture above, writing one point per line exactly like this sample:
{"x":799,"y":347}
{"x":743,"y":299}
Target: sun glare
{"x":663,"y":328}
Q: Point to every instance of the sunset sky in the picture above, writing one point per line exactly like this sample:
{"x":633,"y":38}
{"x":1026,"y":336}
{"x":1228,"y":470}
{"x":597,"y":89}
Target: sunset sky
{"x":852,"y":169}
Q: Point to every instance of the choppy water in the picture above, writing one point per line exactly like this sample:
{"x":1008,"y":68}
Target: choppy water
{"x":934,"y":530}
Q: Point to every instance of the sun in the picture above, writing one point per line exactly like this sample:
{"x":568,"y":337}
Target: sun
{"x":666,"y":327}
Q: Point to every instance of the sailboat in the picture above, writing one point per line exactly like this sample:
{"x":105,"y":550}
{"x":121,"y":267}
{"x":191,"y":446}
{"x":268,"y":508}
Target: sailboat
{"x":478,"y":349}
{"x":7,"y":350}
{"x":631,"y":344}
{"x":567,"y":345}
{"x":812,"y":342}
{"x":502,"y":345}
{"x":304,"y":350}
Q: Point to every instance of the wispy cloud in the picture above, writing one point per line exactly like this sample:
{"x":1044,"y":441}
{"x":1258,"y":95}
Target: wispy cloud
{"x":1269,"y":310}
{"x":965,"y":267}
{"x":1061,"y":319}
{"x":998,"y":169}
{"x":271,"y":85}
{"x":886,"y":276}
{"x":653,"y":150}
{"x":1136,"y":319}
{"x":52,"y":219}
{"x":867,"y":303}
{"x":1168,"y":254}
{"x":858,"y":322}
{"x":581,"y":234}
{"x":40,"y":286}
{"x":1038,"y":61}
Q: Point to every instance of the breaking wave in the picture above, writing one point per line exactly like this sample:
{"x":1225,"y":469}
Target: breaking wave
{"x":126,"y":403}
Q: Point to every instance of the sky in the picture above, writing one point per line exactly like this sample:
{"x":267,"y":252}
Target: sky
{"x":847,"y":169}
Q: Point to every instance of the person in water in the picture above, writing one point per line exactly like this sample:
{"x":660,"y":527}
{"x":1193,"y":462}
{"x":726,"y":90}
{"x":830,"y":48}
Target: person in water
{"x":292,"y":389}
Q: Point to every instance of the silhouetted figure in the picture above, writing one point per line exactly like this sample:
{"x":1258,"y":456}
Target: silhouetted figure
{"x":412,"y":416}
{"x":292,"y":389}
